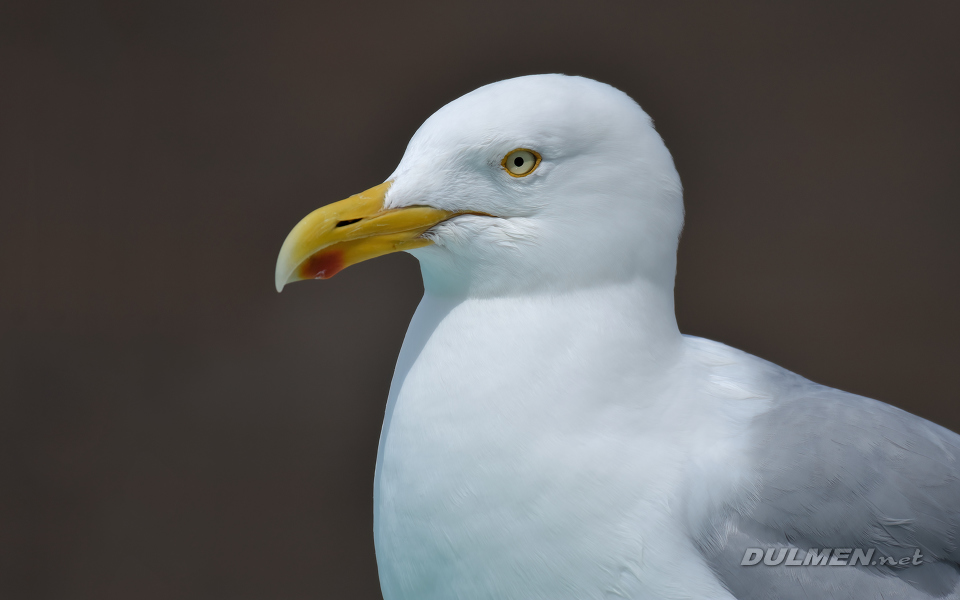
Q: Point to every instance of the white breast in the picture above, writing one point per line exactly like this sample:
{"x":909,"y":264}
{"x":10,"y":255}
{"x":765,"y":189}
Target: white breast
{"x":536,"y":448}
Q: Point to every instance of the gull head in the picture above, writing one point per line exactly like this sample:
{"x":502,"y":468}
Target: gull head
{"x":535,"y":184}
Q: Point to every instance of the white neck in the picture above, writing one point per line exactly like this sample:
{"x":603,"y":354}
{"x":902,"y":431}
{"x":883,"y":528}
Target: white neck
{"x":626,"y":331}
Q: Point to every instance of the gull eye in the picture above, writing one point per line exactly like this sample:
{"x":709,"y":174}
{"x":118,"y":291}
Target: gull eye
{"x":520,"y":162}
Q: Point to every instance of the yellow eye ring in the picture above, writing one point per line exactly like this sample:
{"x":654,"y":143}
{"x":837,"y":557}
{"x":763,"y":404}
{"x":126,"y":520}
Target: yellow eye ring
{"x":520,"y":162}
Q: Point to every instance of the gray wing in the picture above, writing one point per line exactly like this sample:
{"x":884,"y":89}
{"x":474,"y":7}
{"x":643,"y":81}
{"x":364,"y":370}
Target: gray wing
{"x":836,"y":470}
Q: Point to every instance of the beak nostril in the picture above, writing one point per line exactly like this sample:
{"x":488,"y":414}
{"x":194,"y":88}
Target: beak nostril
{"x":347,"y":222}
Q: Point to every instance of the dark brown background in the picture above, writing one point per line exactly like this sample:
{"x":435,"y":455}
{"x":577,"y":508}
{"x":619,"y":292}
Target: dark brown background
{"x":170,"y":427}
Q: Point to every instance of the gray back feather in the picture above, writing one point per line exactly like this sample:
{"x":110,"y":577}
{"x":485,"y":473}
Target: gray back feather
{"x":836,"y":470}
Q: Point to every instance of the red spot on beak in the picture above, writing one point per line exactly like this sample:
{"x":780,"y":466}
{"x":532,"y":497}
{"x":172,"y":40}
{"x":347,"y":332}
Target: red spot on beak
{"x":322,"y":265}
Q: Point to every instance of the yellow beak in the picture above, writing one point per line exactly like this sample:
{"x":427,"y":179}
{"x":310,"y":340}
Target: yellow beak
{"x":350,"y":231}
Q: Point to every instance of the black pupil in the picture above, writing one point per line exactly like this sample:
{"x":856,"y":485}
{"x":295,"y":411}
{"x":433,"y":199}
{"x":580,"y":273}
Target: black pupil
{"x":518,"y":161}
